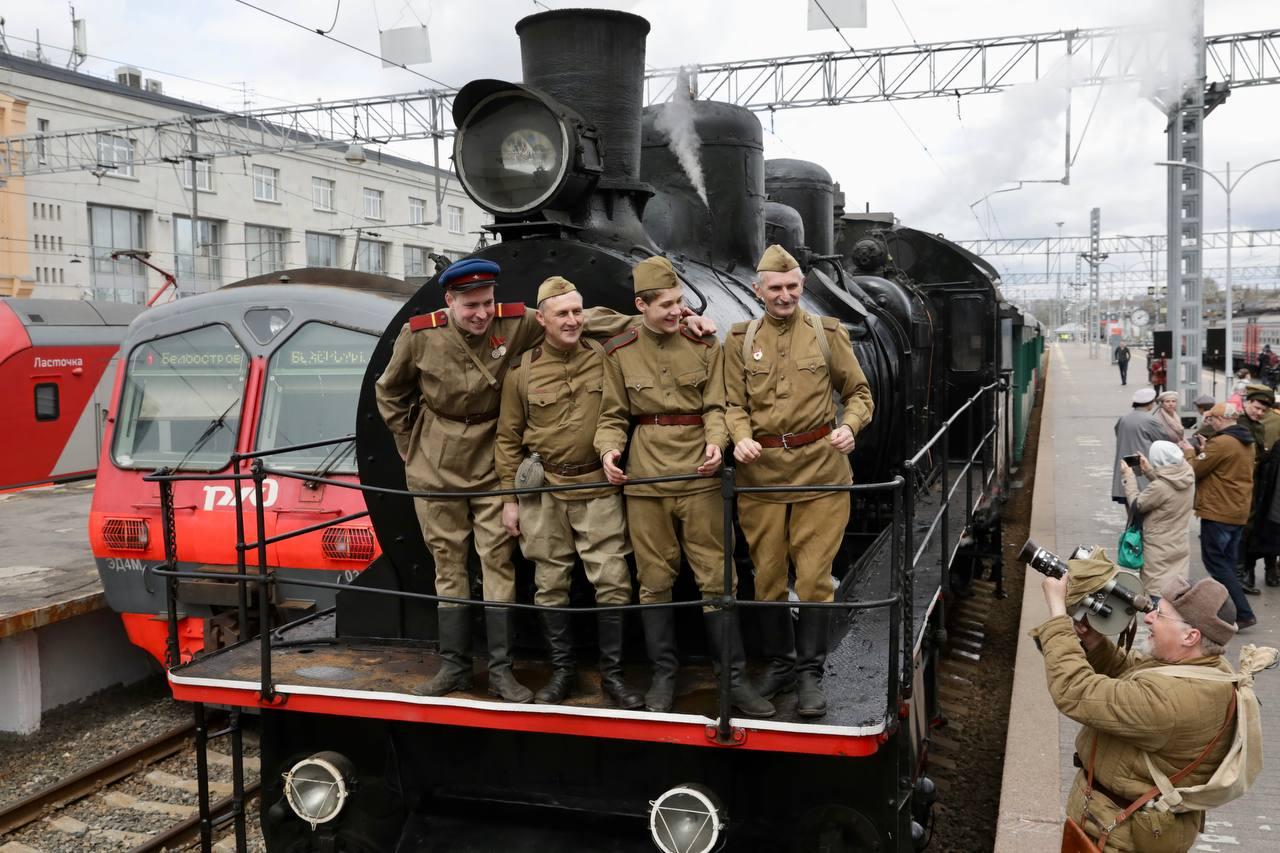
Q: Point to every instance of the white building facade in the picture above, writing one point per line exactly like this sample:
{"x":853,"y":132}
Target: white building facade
{"x":256,"y":213}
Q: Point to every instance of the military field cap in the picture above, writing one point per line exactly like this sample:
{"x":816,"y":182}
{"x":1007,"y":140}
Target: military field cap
{"x":1204,"y":401}
{"x":554,"y":286}
{"x":1143,"y":396}
{"x":1261,"y":393}
{"x":1206,"y":607}
{"x":1223,"y":410}
{"x":776,"y":259}
{"x":655,"y":273}
{"x":469,"y":274}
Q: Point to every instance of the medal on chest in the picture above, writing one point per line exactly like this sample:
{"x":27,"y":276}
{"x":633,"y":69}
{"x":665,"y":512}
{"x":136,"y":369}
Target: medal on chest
{"x":499,"y":346}
{"x":757,"y":355}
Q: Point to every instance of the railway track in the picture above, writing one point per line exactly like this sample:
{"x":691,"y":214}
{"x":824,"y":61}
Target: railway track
{"x":107,"y":779}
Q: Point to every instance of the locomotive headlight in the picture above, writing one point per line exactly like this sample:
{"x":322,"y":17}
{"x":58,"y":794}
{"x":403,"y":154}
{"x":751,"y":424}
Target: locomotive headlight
{"x":687,"y":819}
{"x":517,"y":150}
{"x":317,"y":788}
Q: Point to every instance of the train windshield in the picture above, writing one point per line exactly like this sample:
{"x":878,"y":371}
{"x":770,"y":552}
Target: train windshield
{"x":313,"y":382}
{"x":181,"y":401}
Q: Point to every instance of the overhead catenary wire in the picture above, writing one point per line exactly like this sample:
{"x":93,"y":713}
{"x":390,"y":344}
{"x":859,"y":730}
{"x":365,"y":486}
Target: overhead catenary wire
{"x":345,"y":44}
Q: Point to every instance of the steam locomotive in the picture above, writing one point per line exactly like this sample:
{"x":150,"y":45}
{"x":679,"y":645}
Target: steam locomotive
{"x":583,"y":184}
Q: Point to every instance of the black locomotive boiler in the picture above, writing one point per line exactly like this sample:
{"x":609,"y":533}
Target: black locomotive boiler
{"x":583,"y":184}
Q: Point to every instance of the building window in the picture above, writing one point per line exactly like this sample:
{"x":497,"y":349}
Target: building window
{"x":455,"y":219}
{"x":371,"y":256}
{"x":264,"y":249}
{"x":322,"y":250}
{"x":47,"y":408}
{"x":322,"y":194}
{"x":417,"y":262}
{"x":417,"y":211}
{"x":372,"y":203}
{"x":42,"y":127}
{"x":206,"y":263}
{"x":265,"y":179}
{"x":204,"y":175}
{"x":115,"y":153}
{"x":113,"y":229}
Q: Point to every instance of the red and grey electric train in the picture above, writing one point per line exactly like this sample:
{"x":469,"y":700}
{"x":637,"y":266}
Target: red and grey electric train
{"x":267,"y":362}
{"x":57,"y":363}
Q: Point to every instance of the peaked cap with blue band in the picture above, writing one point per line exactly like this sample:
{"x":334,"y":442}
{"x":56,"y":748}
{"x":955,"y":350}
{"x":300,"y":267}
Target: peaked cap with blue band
{"x":469,"y":274}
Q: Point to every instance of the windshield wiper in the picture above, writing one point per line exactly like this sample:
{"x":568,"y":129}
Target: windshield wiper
{"x":219,"y":421}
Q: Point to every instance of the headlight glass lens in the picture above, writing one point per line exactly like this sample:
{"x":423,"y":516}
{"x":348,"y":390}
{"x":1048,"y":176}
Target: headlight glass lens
{"x":512,"y":153}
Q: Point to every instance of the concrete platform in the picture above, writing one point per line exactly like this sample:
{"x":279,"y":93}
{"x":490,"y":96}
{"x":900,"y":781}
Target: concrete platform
{"x":58,"y":642}
{"x":1072,"y":505}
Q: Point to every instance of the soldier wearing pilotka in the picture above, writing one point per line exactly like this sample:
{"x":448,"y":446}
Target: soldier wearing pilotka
{"x":439,"y":395}
{"x":550,"y":406}
{"x":664,"y":404}
{"x":780,"y":375}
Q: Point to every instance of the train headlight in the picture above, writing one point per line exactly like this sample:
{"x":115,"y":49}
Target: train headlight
{"x":317,"y":788}
{"x":686,"y":819}
{"x":517,"y":150}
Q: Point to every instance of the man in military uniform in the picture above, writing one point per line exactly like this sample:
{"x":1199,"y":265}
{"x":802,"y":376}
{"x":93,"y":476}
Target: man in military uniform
{"x":1263,"y":424}
{"x":550,"y":406}
{"x":664,"y":390}
{"x":780,"y":375}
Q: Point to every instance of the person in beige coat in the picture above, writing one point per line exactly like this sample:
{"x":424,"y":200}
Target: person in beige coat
{"x":1165,"y":507}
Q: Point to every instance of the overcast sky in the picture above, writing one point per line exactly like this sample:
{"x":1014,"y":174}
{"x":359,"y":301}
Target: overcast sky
{"x":974,"y":146}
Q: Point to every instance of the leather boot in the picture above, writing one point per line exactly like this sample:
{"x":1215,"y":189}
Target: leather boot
{"x":563,"y":673}
{"x":1248,"y":577}
{"x":660,"y":642}
{"x":1273,"y":571}
{"x":611,"y":680}
{"x":743,"y":696}
{"x":811,"y":659}
{"x":778,"y":637}
{"x":455,"y":653}
{"x":502,"y":681}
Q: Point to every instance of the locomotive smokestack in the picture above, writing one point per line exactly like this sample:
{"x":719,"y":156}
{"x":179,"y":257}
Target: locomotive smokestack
{"x":808,"y":188}
{"x":593,"y":61}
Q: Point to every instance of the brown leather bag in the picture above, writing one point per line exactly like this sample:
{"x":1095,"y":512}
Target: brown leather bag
{"x":1074,"y":838}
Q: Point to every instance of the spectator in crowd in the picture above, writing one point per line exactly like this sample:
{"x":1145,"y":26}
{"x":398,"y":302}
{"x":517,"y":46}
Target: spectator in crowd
{"x":1264,"y":537}
{"x":1264,"y":424}
{"x":1122,"y":356}
{"x":1167,"y":412}
{"x":1224,"y":487}
{"x":1157,"y":373}
{"x":1204,"y":432}
{"x":1238,"y":392}
{"x":1165,"y":507}
{"x":1134,"y":434}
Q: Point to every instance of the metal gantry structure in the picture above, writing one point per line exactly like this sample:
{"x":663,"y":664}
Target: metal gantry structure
{"x":1037,"y":285}
{"x":1116,"y":244}
{"x":911,"y":72}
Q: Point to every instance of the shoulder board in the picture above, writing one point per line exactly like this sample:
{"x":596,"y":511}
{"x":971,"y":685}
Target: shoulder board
{"x":705,"y":340}
{"x":590,"y":344}
{"x":507,"y":310}
{"x":830,"y":323}
{"x":434,"y":320}
{"x":630,"y":336}
{"x":738,"y":328}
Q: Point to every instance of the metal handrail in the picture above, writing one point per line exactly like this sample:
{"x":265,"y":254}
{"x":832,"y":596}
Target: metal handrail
{"x":901,"y":531}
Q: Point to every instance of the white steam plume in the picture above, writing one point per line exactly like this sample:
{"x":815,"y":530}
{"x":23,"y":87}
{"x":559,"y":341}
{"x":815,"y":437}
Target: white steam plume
{"x":676,"y":121}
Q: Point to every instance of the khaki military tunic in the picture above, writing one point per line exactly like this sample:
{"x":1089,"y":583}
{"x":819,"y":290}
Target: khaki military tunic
{"x":550,"y":405}
{"x":442,"y":409}
{"x":647,"y":373}
{"x":784,"y":386}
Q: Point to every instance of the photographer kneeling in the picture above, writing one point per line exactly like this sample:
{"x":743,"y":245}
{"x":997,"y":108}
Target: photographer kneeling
{"x":1135,"y":719}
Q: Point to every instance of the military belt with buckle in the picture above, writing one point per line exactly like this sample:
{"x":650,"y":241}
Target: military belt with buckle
{"x":666,"y":420}
{"x":573,"y":470}
{"x":795,"y":439}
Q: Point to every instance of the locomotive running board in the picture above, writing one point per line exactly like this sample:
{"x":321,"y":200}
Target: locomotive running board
{"x":685,"y":729}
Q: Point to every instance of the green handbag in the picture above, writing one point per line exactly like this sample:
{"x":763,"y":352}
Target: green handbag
{"x":1129,"y":550}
